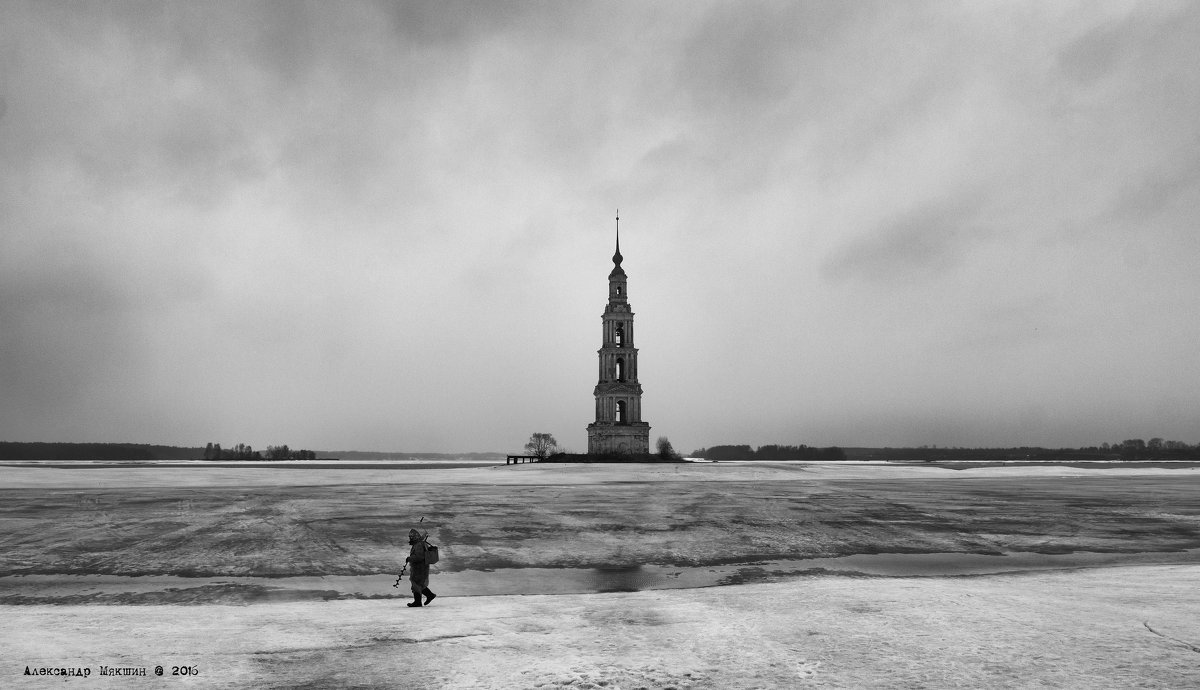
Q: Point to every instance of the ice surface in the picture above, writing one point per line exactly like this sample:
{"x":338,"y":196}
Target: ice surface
{"x":579,"y":543}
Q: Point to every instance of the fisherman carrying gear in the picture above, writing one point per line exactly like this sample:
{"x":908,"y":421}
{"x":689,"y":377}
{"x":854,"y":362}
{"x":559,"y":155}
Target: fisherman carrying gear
{"x":418,"y":574}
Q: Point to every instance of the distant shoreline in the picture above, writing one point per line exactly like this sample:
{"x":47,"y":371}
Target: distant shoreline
{"x":422,"y":464}
{"x":320,"y":464}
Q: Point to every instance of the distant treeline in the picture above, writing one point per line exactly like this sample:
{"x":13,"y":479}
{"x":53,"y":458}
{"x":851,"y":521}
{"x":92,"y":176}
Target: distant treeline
{"x":1137,"y":445}
{"x":608,"y":458}
{"x":241,"y":451}
{"x":137,"y":452}
{"x":398,"y":455}
{"x":94,"y":451}
{"x":1129,"y":451}
{"x":771,"y":452}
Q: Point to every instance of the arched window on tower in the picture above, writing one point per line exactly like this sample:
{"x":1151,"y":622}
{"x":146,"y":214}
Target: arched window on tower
{"x":620,"y":335}
{"x":620,"y":412}
{"x":620,"y":369}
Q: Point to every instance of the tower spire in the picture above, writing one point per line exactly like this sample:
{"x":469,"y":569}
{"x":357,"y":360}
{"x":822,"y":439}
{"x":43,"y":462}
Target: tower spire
{"x":617,"y":258}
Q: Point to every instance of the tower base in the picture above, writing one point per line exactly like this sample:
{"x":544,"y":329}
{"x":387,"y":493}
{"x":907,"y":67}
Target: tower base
{"x":620,"y":439}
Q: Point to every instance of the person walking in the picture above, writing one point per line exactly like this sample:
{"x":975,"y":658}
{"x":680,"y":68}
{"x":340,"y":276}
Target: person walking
{"x":418,"y":575}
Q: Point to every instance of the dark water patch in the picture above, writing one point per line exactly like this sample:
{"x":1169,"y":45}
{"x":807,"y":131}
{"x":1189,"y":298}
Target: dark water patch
{"x":623,"y":579}
{"x":613,"y":578}
{"x":224,"y":593}
{"x":744,"y":575}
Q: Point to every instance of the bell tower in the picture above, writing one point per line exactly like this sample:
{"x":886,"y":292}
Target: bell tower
{"x":618,"y":427}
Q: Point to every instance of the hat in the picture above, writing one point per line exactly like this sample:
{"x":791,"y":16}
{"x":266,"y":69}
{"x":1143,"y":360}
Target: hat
{"x":413,"y":533}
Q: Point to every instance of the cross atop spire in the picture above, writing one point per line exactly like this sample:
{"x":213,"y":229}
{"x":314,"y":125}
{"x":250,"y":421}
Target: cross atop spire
{"x":617,"y":258}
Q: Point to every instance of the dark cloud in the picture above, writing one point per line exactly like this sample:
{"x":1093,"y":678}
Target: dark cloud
{"x":456,"y":22}
{"x":748,"y":56}
{"x":116,"y":110}
{"x":1013,"y":323}
{"x":64,"y":325}
{"x":1155,"y":192}
{"x":919,"y":247}
{"x":1099,"y":52}
{"x":1153,"y":43}
{"x":1134,"y":94}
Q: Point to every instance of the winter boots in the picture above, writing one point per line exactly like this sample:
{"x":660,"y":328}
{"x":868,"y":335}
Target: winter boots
{"x":429,"y":595}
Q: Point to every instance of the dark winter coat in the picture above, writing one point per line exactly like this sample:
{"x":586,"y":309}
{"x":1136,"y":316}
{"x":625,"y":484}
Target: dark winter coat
{"x":418,"y":569}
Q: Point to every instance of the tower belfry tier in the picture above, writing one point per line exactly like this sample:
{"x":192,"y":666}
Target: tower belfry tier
{"x":618,"y":427}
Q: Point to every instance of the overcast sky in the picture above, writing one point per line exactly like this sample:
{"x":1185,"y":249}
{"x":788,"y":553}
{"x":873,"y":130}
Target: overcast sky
{"x":388,"y":226}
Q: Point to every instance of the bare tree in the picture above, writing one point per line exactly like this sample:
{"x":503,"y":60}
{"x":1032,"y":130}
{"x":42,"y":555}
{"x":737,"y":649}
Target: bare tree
{"x":541,"y":445}
{"x":665,"y":450}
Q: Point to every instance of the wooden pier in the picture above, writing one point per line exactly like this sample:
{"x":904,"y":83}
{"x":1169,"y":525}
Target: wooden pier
{"x":517,"y":459}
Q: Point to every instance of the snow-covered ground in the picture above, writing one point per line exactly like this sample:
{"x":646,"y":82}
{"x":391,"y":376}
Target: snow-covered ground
{"x":1109,"y":628}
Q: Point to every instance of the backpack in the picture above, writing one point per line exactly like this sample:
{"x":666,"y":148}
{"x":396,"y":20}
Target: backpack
{"x":431,"y":553}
